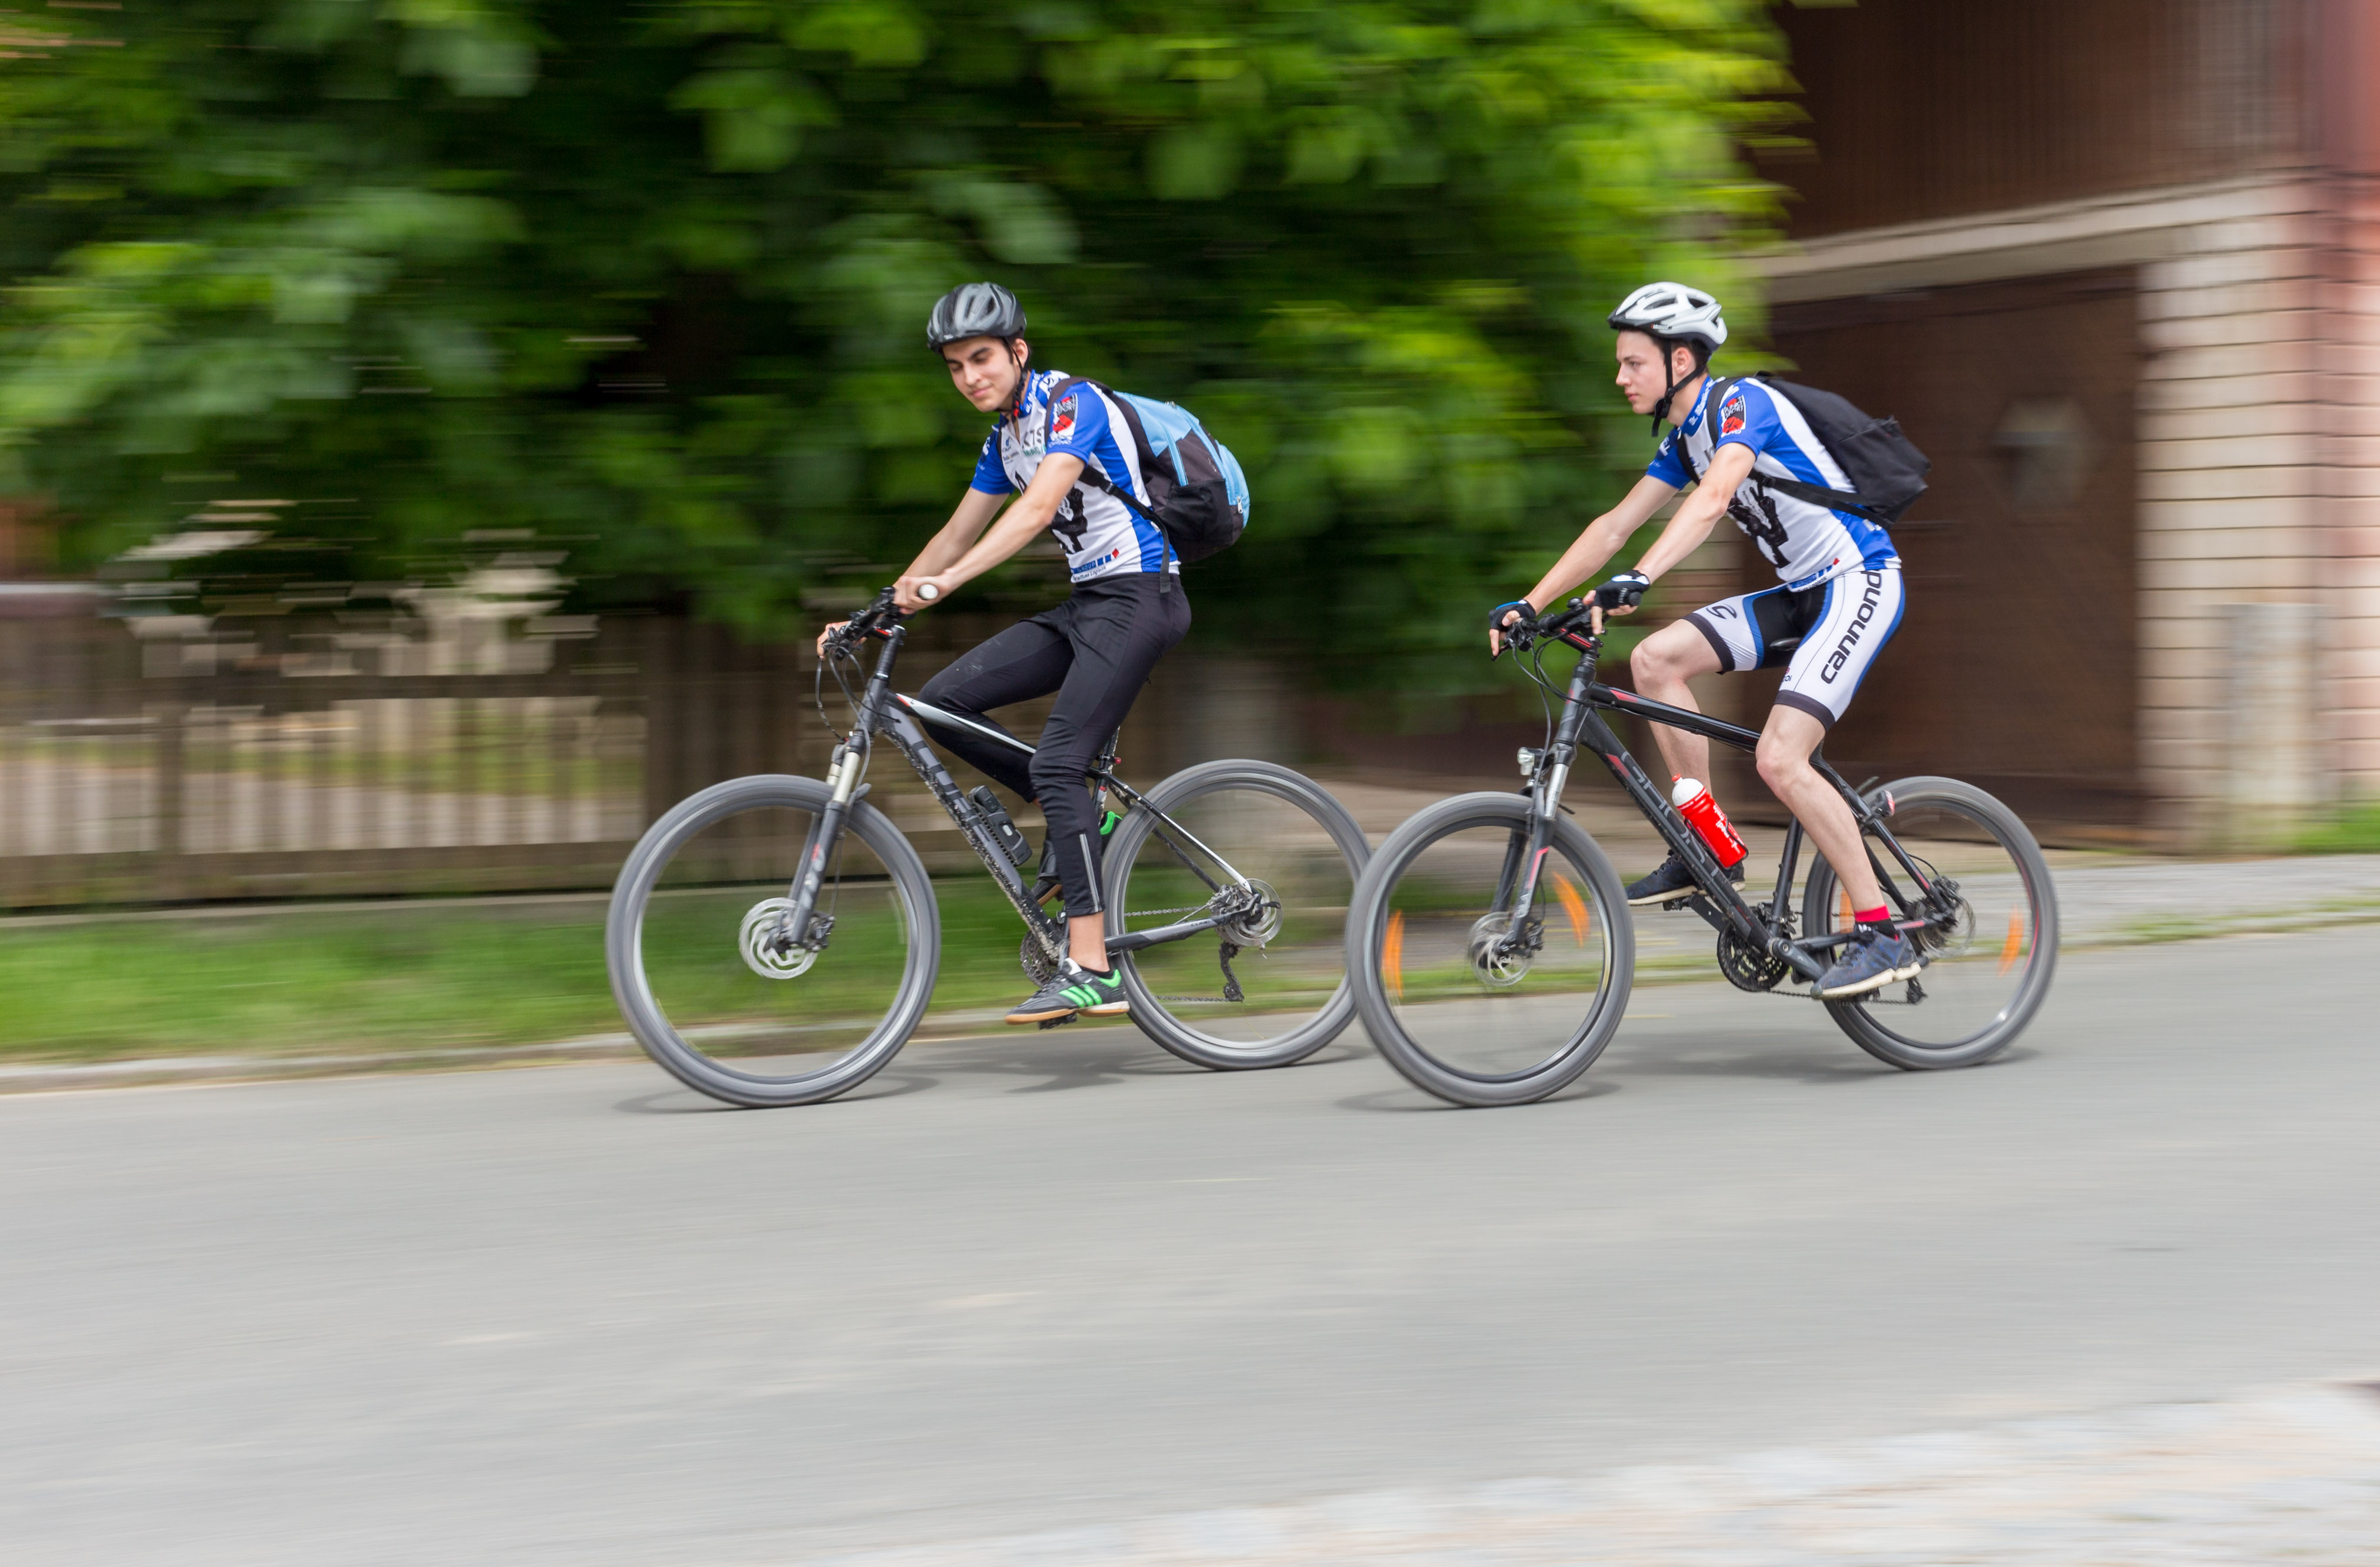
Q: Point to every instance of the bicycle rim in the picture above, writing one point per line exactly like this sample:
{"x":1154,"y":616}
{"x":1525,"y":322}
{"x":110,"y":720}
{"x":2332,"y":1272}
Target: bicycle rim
{"x":1988,"y":965}
{"x":710,"y":996}
{"x":1297,"y":854}
{"x":1466,"y":1002}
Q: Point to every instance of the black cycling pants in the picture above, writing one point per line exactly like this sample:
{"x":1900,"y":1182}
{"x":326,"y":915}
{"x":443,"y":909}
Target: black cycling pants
{"x":1095,"y":650}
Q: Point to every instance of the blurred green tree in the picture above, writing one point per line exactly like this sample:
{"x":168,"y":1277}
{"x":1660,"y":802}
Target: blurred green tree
{"x":652,"y":278}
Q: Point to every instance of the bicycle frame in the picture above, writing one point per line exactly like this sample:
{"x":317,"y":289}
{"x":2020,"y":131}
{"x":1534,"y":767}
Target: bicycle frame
{"x":883,"y":711}
{"x":1716,"y":899}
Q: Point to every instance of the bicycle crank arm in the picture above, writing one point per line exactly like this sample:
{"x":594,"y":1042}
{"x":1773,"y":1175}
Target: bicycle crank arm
{"x":1132,"y":941}
{"x":1790,"y":953}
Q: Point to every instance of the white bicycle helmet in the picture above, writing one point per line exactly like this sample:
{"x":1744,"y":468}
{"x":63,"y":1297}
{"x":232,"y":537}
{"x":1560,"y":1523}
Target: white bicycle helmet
{"x":1673,"y":310}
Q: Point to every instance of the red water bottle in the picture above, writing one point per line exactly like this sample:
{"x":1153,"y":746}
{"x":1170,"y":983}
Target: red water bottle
{"x":1694,"y":803}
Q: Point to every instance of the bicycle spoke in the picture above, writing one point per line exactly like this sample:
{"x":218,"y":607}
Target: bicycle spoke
{"x":1273,"y":859}
{"x":1990,"y":939}
{"x":746,"y":1002}
{"x":1473,"y":989}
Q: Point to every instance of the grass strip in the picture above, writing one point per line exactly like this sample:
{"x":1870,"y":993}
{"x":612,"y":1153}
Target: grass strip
{"x":393,"y":979}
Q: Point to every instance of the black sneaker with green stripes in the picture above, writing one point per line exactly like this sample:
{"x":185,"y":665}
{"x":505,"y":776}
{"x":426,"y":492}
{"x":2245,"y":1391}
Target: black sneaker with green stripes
{"x":1073,"y":990}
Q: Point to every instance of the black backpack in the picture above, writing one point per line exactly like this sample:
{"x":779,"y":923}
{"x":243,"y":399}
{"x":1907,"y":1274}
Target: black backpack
{"x":1887,"y":470}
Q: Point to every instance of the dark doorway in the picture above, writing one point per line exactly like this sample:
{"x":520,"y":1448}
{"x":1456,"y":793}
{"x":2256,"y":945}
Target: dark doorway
{"x":2015,"y":667}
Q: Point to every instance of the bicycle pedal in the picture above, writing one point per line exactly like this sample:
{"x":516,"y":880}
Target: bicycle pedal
{"x":1058,"y":1022}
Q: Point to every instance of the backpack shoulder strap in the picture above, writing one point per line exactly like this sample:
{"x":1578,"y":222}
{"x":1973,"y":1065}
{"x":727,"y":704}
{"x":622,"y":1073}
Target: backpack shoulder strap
{"x":1816,"y":494}
{"x":1717,"y":390}
{"x":1100,"y":481}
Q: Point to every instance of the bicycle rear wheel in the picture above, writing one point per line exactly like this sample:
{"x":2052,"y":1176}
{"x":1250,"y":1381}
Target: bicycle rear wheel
{"x":698,"y":982}
{"x":1990,"y":955}
{"x":1268,"y":988}
{"x":1462,"y":1010}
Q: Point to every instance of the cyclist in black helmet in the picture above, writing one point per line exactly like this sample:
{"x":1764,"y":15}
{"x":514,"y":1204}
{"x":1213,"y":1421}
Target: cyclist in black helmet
{"x":1095,"y":650}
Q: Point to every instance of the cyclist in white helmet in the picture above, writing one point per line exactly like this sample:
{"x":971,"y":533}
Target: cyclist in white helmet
{"x":1838,"y":601}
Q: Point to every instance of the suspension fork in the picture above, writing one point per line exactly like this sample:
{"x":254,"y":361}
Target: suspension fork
{"x":1525,"y":858}
{"x":796,"y":926}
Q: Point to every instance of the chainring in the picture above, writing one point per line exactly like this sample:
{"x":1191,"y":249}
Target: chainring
{"x":1746,"y":970}
{"x":1039,"y":966}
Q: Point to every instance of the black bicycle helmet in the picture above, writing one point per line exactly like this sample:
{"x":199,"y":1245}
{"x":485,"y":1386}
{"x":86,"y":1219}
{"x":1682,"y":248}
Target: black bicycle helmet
{"x":975,"y":309}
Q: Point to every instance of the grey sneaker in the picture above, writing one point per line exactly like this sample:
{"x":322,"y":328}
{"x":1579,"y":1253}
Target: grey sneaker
{"x":1670,"y":880}
{"x":1870,"y":960}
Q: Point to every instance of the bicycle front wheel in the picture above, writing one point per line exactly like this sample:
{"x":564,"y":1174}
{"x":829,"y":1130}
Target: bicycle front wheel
{"x":699,"y":981}
{"x":1280,"y":854}
{"x":1990,"y":950}
{"x":1467,"y":1004}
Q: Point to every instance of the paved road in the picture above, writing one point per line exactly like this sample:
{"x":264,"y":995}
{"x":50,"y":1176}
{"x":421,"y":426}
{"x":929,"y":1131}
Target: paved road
{"x":577,"y":1317}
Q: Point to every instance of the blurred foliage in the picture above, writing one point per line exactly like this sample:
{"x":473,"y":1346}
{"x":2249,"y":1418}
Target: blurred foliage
{"x":652,"y":278}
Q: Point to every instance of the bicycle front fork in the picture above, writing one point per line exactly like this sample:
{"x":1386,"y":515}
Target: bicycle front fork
{"x":801,"y":925}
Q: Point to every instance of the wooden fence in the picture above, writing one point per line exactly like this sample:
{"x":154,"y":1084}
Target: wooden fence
{"x":302,"y":762}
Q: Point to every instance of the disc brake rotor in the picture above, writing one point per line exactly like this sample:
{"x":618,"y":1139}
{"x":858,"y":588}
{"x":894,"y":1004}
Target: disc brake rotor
{"x":1952,"y":936}
{"x":1259,"y":920}
{"x":756,"y":943}
{"x":1498,"y":964}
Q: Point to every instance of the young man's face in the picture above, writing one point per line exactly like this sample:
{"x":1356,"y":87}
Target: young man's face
{"x":1642,"y":374}
{"x":985,"y":372}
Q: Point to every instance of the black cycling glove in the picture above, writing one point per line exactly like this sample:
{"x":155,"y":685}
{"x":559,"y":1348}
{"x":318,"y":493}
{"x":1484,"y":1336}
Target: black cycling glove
{"x":1623,"y":591}
{"x":1496,"y":616}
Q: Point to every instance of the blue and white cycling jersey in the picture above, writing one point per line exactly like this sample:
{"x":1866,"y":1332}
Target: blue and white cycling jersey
{"x":1102,"y":536}
{"x":1806,"y":542}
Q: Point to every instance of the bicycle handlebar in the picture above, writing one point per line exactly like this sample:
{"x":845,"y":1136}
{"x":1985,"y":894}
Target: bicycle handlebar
{"x":878,"y":616}
{"x":1578,"y":613}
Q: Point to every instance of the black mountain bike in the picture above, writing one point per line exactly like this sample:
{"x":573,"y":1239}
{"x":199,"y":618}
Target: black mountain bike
{"x":774,"y":941}
{"x":1492,"y":950}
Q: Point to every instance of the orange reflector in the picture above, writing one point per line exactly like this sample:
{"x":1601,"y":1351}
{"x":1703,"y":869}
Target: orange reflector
{"x":2015,"y":942}
{"x":1847,"y":919}
{"x":1572,"y":904}
{"x":1392,"y":956}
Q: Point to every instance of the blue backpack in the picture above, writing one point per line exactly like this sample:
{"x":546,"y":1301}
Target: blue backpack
{"x":1197,"y":496}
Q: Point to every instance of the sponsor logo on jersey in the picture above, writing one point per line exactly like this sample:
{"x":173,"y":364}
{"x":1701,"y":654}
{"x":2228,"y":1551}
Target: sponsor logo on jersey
{"x":1731,"y":413}
{"x":1061,"y":422}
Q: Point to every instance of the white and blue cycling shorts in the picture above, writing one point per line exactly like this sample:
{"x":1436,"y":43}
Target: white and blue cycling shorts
{"x":1827,"y":636}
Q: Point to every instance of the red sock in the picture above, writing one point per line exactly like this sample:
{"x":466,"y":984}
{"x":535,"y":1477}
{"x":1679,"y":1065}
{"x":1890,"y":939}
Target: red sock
{"x":1880,"y":915}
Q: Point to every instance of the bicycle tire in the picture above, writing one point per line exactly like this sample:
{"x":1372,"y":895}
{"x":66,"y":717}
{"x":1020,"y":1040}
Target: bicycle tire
{"x":632,"y":989}
{"x":1150,"y":1014}
{"x":1366,"y":932}
{"x":1865,"y":1028}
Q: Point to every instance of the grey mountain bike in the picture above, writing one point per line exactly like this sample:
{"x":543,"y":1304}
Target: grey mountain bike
{"x":1493,"y":948}
{"x":775,"y":941}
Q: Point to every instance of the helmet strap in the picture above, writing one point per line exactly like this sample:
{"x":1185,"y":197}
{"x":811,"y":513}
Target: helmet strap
{"x":1668,"y":368}
{"x":1016,"y":402}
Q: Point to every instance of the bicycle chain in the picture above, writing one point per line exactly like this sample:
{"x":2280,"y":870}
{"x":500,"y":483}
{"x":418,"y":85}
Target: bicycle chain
{"x":1194,"y":908}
